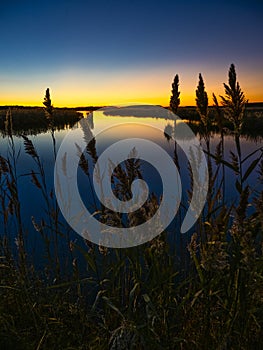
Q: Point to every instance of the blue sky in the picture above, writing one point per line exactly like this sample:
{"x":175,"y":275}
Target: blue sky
{"x":93,"y":52}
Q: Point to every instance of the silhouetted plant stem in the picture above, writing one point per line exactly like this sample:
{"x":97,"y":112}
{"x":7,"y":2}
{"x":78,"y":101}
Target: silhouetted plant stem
{"x":49,"y":110}
{"x":202,"y":109}
{"x":179,"y":214}
{"x":219,"y":121}
{"x":174,"y":104}
{"x":238,"y":148}
{"x":234,"y":104}
{"x":12,"y":185}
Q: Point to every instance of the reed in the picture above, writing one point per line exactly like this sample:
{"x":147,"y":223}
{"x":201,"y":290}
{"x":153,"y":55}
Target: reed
{"x":141,"y":297}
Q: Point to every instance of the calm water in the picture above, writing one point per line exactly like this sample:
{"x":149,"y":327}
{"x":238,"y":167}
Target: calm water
{"x":31,"y":198}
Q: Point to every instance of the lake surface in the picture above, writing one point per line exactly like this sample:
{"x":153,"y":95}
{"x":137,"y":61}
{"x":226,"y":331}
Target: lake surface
{"x":155,"y":129}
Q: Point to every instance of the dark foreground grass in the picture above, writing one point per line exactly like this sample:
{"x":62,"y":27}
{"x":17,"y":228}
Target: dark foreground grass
{"x":140,"y":299}
{"x":147,"y":297}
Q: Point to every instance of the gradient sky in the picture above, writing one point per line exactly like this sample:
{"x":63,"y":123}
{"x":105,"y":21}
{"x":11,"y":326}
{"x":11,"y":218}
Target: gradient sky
{"x":106,"y":52}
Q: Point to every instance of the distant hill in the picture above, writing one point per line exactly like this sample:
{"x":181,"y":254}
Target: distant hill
{"x":83,"y":108}
{"x":255,"y":105}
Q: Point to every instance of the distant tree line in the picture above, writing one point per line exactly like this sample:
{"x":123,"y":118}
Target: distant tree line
{"x":34,"y":118}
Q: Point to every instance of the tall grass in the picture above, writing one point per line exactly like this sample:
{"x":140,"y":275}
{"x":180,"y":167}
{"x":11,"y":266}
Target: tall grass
{"x":141,"y":297}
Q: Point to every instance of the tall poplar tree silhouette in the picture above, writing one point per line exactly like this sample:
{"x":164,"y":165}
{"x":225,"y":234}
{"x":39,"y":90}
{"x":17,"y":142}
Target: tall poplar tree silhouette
{"x":175,"y":100}
{"x":202,"y":102}
{"x":234,"y":104}
{"x":48,"y":105}
{"x":49,"y":111}
{"x":205,"y":127}
{"x":234,"y":100}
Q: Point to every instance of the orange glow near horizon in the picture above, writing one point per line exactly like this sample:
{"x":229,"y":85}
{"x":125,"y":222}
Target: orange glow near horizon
{"x":187,"y":99}
{"x":75,"y":88}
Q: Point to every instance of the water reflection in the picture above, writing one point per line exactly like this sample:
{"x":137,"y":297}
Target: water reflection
{"x":161,"y":128}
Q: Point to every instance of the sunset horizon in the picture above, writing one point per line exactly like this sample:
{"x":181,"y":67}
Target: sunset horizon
{"x":89,"y":54}
{"x":62,"y":97}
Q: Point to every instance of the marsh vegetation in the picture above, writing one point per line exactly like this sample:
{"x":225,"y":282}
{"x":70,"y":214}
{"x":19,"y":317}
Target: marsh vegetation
{"x":205,"y":295}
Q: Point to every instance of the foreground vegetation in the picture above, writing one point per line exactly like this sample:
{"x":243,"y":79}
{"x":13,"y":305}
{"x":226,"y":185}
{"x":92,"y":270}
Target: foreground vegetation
{"x":207,"y":297}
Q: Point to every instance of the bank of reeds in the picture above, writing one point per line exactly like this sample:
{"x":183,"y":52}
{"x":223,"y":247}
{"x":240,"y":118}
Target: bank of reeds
{"x":141,"y":297}
{"x":32,"y":121}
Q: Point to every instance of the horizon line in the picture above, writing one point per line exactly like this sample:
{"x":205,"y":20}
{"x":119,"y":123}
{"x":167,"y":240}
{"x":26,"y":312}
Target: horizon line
{"x":108,"y":105}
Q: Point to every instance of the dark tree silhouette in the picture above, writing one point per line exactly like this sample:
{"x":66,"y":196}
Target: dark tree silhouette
{"x":234,"y":104}
{"x":175,"y":100}
{"x":202,"y":109}
{"x":202,"y":101}
{"x":234,"y":100}
{"x":50,"y":118}
{"x":48,"y":105}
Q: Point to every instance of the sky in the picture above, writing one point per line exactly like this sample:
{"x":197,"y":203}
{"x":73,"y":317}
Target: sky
{"x":108,"y":52}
